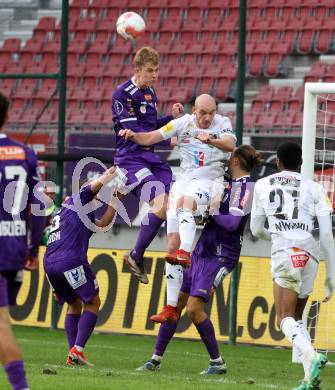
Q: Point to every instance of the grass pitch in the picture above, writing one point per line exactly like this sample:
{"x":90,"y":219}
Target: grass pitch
{"x":115,"y":358}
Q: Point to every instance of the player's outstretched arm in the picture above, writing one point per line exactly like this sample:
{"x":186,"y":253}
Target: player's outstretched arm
{"x":105,"y":178}
{"x":258,"y":217}
{"x":227,"y":143}
{"x":142,"y":138}
{"x":328,"y":249}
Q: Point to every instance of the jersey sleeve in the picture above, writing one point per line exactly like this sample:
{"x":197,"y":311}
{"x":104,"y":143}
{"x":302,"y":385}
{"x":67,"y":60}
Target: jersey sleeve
{"x":164,"y":120}
{"x":257,"y":207}
{"x":173,"y":128}
{"x":241,"y":198}
{"x":226,"y":128}
{"x":322,"y":203}
{"x":86,"y":195}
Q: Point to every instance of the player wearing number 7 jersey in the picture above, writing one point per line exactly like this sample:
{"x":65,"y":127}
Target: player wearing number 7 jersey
{"x":19,"y":181}
{"x":66,"y":264}
{"x":290,"y":202}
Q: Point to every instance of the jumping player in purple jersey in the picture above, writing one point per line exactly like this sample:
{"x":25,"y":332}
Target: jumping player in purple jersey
{"x":134,"y":106}
{"x":19,"y":181}
{"x":67,"y":267}
{"x":214,"y":257}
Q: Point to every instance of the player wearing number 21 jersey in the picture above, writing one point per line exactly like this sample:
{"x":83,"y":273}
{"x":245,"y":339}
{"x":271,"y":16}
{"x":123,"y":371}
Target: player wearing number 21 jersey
{"x":290,"y":202}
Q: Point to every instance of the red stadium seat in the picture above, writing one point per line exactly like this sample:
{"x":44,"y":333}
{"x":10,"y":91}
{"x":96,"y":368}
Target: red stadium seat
{"x":99,"y":47}
{"x":25,"y":91}
{"x":11,"y":45}
{"x":266,"y":92}
{"x":206,"y":86}
{"x":323,"y":41}
{"x":272,"y":66}
{"x":222,"y":88}
{"x":29,"y":116}
{"x":249,"y":119}
{"x":266,"y":120}
{"x":284,"y":93}
{"x":256,"y":62}
{"x":171,"y":24}
{"x":276,"y":104}
{"x":179,"y":47}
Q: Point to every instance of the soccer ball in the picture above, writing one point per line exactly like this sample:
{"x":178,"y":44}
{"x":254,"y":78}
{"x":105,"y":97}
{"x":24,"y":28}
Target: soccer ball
{"x":130,"y":25}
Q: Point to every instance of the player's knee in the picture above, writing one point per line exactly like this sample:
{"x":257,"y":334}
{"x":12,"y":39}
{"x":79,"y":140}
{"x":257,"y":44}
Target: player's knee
{"x":192,"y":312}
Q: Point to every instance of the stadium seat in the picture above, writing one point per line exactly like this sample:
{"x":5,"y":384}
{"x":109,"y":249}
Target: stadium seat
{"x":25,"y":91}
{"x":255,"y":66}
{"x":11,"y":45}
{"x":259,"y":104}
{"x":249,"y":119}
{"x":222,"y":88}
{"x":206,"y":86}
{"x":272,"y":67}
{"x":323,"y":41}
{"x":266,"y":120}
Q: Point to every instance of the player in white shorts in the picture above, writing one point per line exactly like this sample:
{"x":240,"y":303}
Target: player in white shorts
{"x":290,"y":202}
{"x":205,"y":140}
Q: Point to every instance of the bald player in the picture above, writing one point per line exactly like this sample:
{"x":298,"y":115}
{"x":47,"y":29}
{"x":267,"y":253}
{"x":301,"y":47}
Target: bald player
{"x":205,"y":140}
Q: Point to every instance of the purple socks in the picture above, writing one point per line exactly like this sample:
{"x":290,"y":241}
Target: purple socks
{"x":165,"y":334}
{"x":147,"y":233}
{"x":16,"y":375}
{"x":86,"y":326}
{"x":71,"y":328}
{"x":207,"y":334}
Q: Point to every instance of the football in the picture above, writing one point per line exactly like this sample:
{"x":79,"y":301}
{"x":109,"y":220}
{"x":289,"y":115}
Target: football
{"x":130,"y":25}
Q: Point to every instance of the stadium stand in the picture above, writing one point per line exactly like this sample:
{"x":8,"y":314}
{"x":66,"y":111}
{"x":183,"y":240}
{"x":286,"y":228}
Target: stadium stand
{"x":198,"y":46}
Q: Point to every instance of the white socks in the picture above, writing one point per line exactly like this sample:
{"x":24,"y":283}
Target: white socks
{"x":187,"y":229}
{"x":156,"y":357}
{"x":305,"y":362}
{"x":174,"y":280}
{"x":297,"y":336}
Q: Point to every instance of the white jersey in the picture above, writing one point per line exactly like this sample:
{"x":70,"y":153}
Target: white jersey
{"x":290,"y":202}
{"x":199,"y":160}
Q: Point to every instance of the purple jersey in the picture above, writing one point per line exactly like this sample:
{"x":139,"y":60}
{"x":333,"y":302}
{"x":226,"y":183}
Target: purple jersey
{"x":221,"y":239}
{"x":18,"y":177}
{"x":136,"y":109}
{"x":69,"y":237}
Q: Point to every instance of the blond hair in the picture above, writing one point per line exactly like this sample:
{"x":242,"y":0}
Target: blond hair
{"x":144,"y":55}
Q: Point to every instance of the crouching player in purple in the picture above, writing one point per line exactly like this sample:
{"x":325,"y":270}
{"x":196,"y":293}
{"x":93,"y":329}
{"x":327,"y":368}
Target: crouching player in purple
{"x":19,"y":181}
{"x":216,"y":254}
{"x":67,"y":267}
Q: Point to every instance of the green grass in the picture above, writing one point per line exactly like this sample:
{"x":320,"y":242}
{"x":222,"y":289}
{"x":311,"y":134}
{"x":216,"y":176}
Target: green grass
{"x":116,"y":357}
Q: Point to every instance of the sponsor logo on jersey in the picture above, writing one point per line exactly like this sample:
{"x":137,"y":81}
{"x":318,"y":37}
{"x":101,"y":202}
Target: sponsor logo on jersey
{"x":285,"y":226}
{"x":148,"y":97}
{"x":245,"y":199}
{"x":199,"y":158}
{"x":12,"y":153}
{"x":76,"y":277}
{"x":53,"y":237}
{"x":299,"y":260}
{"x":118,"y":107}
{"x":129,"y":87}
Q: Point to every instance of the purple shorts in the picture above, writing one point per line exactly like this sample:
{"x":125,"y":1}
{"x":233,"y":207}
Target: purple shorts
{"x":70,"y":281}
{"x":10,"y":283}
{"x":198,"y":280}
{"x":143,"y":167}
